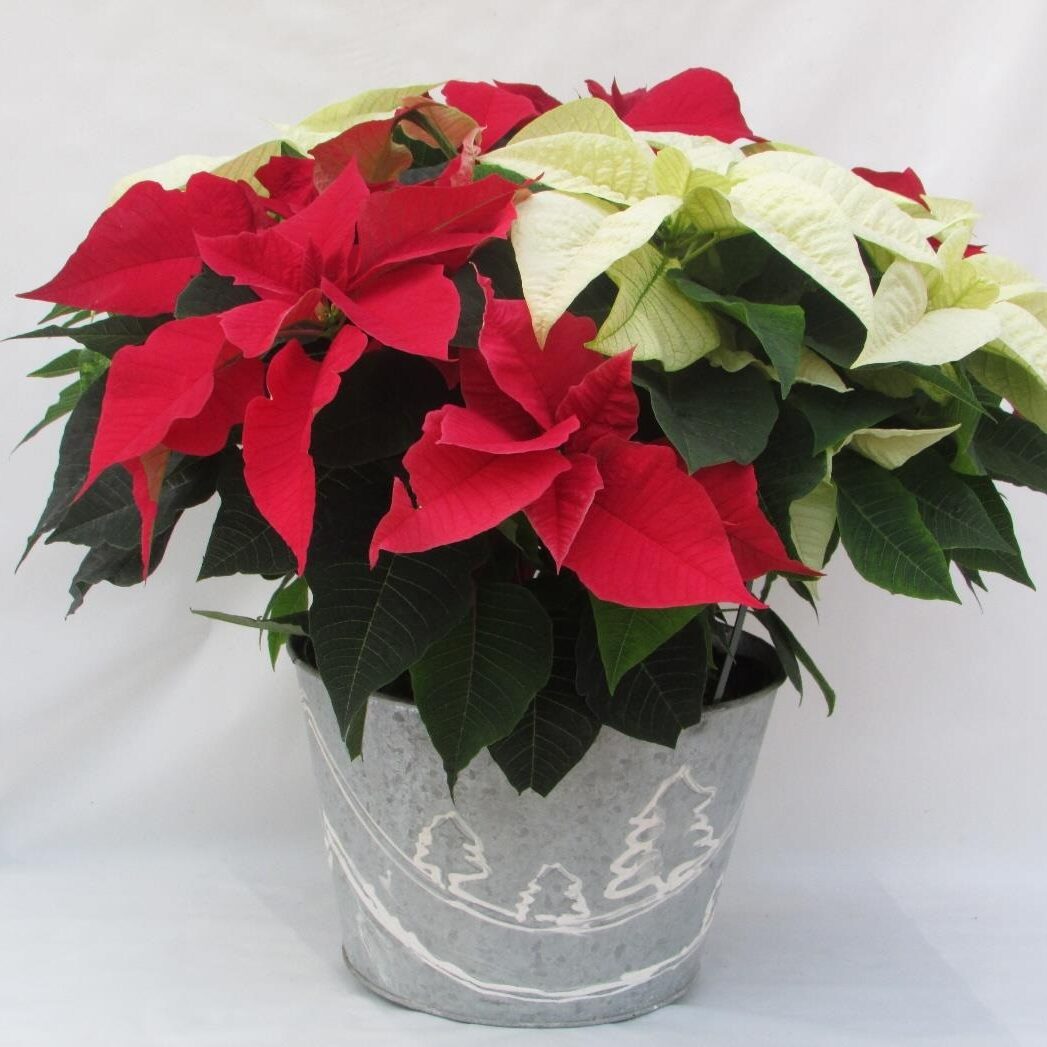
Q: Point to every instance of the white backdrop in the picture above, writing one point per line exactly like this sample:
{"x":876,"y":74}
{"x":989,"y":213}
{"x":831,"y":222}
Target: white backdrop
{"x":161,"y":872}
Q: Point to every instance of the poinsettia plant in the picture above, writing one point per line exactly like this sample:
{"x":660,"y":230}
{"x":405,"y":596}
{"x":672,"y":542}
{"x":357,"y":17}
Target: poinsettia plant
{"x":515,"y":399}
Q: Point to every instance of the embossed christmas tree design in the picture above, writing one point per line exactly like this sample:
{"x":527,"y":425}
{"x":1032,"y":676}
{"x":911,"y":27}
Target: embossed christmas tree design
{"x":450,"y":853}
{"x":554,"y":896}
{"x":670,"y":842}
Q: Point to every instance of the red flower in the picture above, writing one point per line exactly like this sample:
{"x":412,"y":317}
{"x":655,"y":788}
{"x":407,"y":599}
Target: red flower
{"x":548,"y":432}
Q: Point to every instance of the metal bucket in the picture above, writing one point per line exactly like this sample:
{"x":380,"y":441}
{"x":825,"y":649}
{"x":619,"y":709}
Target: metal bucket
{"x":588,"y":906}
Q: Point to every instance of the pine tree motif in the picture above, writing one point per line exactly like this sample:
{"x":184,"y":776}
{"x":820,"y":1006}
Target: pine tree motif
{"x":554,"y":895}
{"x":671,"y":840}
{"x":450,"y":853}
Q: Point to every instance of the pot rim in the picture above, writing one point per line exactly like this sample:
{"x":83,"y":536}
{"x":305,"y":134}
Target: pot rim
{"x":752,"y":647}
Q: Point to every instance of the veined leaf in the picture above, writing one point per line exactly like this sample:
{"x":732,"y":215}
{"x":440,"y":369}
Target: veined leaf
{"x":474,"y":684}
{"x":872,"y":214}
{"x":711,"y":416}
{"x":627,"y":635}
{"x":1008,"y":564}
{"x":558,"y":727}
{"x":701,"y":152}
{"x":812,"y":520}
{"x":903,"y":331}
{"x":832,"y":417}
{"x":791,"y":651}
{"x":104,"y":336}
{"x":1013,"y":450}
{"x":953,"y":513}
{"x":1014,"y":381}
{"x":809,"y":228}
{"x":658,"y":698}
{"x":564,"y":242}
{"x":884,"y":535}
{"x":778,"y":328}
{"x":242,"y":541}
{"x":652,"y":315}
{"x":892,"y":448}
{"x":585,"y":115}
{"x":612,"y":169}
{"x":369,"y":626}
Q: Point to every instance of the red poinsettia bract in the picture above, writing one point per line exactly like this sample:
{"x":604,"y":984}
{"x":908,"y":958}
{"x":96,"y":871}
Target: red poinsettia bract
{"x":696,"y":102}
{"x":549,"y":432}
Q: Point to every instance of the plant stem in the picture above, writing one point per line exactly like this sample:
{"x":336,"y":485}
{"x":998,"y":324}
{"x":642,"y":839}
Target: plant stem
{"x":732,"y":650}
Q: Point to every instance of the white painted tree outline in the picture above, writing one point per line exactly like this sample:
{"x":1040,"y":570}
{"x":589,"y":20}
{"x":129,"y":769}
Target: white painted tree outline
{"x":639,"y":867}
{"x":472,"y":850}
{"x":571,"y":892}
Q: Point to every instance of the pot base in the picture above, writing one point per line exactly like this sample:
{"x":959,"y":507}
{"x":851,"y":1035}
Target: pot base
{"x":472,"y":1019}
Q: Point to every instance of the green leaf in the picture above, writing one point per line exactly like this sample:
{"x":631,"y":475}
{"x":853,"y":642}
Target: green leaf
{"x":834,"y":416}
{"x":709,"y":415}
{"x":68,"y":398}
{"x":210,"y":293}
{"x":379,"y":413}
{"x":108,"y":563}
{"x":791,"y":652}
{"x":788,"y":469}
{"x":265,"y":624}
{"x":289,"y":602}
{"x":952,"y":512}
{"x":1008,"y":564}
{"x":558,"y":727}
{"x":658,"y":698}
{"x":106,"y":512}
{"x":949,"y":379}
{"x":368,"y":626}
{"x":627,"y":635}
{"x":651,"y":316}
{"x":778,"y":328}
{"x":74,"y":453}
{"x":473,"y":685}
{"x":883,"y":533}
{"x":242,"y":541}
{"x":1014,"y":450}
{"x":103,"y":336}
{"x":67,"y":363}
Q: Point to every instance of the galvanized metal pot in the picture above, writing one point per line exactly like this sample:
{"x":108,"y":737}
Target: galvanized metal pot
{"x":588,"y":906}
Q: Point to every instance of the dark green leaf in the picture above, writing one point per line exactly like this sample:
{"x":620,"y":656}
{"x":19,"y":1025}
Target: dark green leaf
{"x":778,"y":328}
{"x":74,"y":453}
{"x":627,"y":635}
{"x":107,"y":563}
{"x":791,"y":651}
{"x":1010,"y":563}
{"x":473,"y":686}
{"x":242,"y":541}
{"x":658,"y":698}
{"x":788,"y":469}
{"x":368,"y":626}
{"x":952,"y":512}
{"x":472,"y":303}
{"x":834,"y":416}
{"x":833,"y":331}
{"x":949,"y":379}
{"x":210,"y":293}
{"x":558,"y":727}
{"x":106,"y":512}
{"x":379,"y":409}
{"x":104,"y":336}
{"x":1014,"y":450}
{"x":709,"y":415}
{"x":883,"y":533}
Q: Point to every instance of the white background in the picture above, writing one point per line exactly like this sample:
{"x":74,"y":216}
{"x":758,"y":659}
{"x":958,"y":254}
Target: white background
{"x":161,"y":872}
